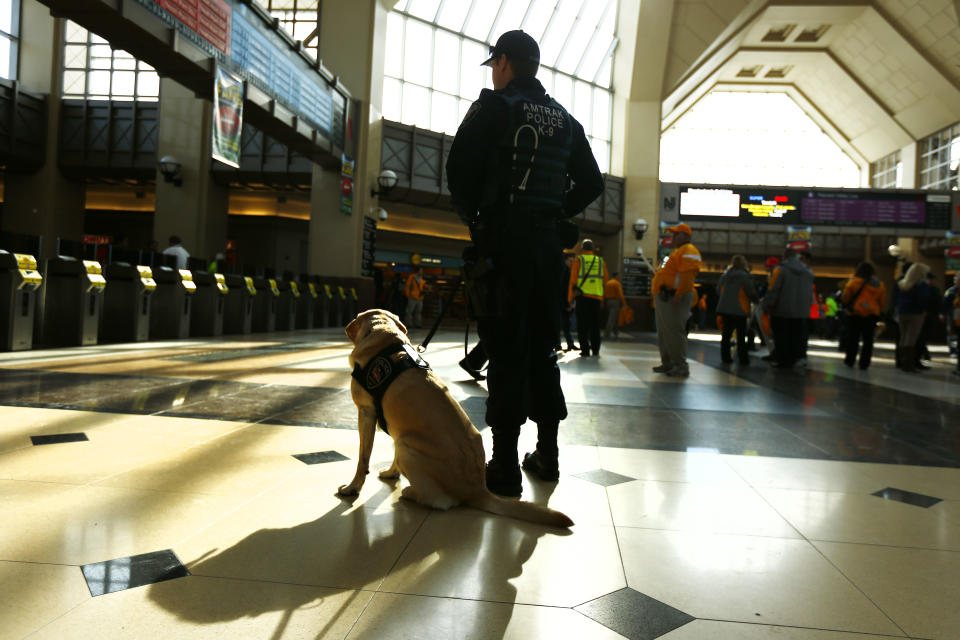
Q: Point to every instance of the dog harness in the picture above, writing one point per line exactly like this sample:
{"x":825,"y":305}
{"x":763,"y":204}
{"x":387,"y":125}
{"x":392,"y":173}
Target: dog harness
{"x":383,"y":369}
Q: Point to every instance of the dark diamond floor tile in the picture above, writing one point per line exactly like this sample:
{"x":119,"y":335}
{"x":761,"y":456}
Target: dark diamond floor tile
{"x":909,"y":497}
{"x":58,"y":438}
{"x":252,"y":404}
{"x":634,"y":615}
{"x":603,"y":477}
{"x":132,"y":571}
{"x":320,"y":457}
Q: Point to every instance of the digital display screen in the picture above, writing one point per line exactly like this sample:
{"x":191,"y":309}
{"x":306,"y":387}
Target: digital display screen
{"x":839,"y":210}
{"x":766,"y":206}
{"x":720,"y":203}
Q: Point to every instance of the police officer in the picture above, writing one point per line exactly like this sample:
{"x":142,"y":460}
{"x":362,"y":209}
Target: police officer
{"x":519,"y":166}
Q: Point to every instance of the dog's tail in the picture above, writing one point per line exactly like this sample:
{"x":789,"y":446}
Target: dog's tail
{"x":528,"y":511}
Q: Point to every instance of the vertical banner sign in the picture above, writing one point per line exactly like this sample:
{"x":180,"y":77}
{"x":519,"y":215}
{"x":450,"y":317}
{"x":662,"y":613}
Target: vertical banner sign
{"x":952,"y":252}
{"x":346,"y":185}
{"x":799,"y":238}
{"x":227,"y":117}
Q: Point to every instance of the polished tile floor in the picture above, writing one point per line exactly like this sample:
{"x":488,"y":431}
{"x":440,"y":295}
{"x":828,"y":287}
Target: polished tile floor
{"x":186,"y":490}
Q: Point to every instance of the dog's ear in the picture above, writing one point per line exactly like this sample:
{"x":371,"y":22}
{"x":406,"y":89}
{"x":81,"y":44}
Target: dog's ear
{"x":353,"y":329}
{"x":396,"y":320}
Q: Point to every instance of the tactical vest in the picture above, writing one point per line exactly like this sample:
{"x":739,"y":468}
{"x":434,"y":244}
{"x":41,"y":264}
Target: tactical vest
{"x":537,"y":142}
{"x":591,"y":273}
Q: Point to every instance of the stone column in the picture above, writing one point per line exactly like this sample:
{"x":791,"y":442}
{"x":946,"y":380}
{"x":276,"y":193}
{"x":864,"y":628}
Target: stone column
{"x":644,"y":29}
{"x":352,"y":42}
{"x":197,"y":210}
{"x":44,"y":202}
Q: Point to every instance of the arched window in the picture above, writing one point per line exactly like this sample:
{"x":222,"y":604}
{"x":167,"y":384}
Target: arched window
{"x":434,"y":50}
{"x":753,"y":138}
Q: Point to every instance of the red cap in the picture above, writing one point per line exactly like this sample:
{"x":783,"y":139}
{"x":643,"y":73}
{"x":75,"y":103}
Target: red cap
{"x":773,"y":262}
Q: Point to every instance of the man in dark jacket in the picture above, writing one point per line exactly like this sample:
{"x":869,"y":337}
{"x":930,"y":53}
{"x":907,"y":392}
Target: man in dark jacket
{"x":509,"y":173}
{"x":788,"y":300}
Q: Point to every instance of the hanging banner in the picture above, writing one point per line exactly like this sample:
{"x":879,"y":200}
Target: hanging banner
{"x":952,"y":252}
{"x":346,"y":184}
{"x":227,"y":117}
{"x":799,"y":238}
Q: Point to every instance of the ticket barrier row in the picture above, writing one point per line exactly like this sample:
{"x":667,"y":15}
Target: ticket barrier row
{"x":79,"y":308}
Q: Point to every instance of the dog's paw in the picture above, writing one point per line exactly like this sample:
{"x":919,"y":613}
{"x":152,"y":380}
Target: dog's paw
{"x":389,"y":474}
{"x":347,"y":490}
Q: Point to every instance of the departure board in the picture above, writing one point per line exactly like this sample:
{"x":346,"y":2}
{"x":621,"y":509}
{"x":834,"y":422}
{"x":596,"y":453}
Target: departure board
{"x":793,"y":206}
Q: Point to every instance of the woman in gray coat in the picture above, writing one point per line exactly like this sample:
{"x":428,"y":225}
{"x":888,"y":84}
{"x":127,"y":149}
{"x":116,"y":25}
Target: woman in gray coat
{"x":736,"y":293}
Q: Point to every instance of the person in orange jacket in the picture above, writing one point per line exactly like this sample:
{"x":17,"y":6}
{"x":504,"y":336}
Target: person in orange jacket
{"x":614,"y":301}
{"x":864,"y":297}
{"x":414,"y":290}
{"x":673,"y":284}
{"x":587,"y":279}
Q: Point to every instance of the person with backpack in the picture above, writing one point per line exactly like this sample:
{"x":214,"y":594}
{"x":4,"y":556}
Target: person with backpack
{"x":863,"y":298}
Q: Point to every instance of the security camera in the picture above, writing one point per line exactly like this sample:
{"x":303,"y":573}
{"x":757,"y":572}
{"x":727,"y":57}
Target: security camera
{"x":381,"y":213}
{"x":640,"y":227}
{"x":640,"y":251}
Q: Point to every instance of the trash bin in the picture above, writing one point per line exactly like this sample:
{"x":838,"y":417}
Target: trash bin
{"x":306,"y":310}
{"x":238,"y":310}
{"x":126,"y":303}
{"x":19,"y":281}
{"x":73,"y":302}
{"x":209,"y":304}
{"x":287,"y":304}
{"x":265,"y":305}
{"x":171,"y":304}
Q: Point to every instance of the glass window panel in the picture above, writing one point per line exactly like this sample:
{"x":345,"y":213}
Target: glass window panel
{"x":426,"y":9}
{"x":99,"y":83}
{"x":538,"y":16}
{"x":545,"y":76}
{"x":5,"y":47}
{"x":446,"y":62}
{"x":74,"y":83}
{"x":416,"y":106}
{"x":511,"y":16}
{"x":471,"y":73}
{"x":453,"y":14}
{"x":392,"y":100}
{"x":123,"y":83}
{"x":75,"y":56}
{"x":580,"y":38}
{"x":148,"y":84}
{"x":417,"y":53}
{"x":123,"y":60}
{"x":100,"y":57}
{"x":582,"y":105}
{"x":393,"y":58}
{"x":557,"y":31}
{"x":6,"y":16}
{"x":481,"y":19}
{"x":563,"y":90}
{"x":143,"y":66}
{"x":76,"y":33}
{"x":601,"y":151}
{"x":601,"y":114}
{"x":603,"y":76}
{"x":444,"y":113}
{"x":95,"y":39}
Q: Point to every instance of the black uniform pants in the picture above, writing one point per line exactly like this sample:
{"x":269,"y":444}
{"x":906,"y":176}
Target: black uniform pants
{"x":860,"y":328}
{"x":588,"y":324}
{"x":733,"y":323}
{"x":523,"y":378}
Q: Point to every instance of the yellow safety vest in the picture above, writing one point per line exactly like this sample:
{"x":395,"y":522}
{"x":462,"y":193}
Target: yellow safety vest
{"x":592,"y":282}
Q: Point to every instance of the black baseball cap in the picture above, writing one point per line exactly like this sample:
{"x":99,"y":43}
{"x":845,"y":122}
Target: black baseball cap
{"x":517,"y":45}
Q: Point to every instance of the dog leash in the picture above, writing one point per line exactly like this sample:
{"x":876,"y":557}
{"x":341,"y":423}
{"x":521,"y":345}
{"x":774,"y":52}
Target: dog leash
{"x":443,"y":312}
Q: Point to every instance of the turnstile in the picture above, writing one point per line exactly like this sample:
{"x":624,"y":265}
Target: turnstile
{"x":265,"y":305}
{"x":170,"y":308}
{"x":238,"y":311}
{"x":288,"y":302}
{"x":209,"y":304}
{"x":19,"y":281}
{"x":306,"y":310}
{"x":126,"y":303}
{"x":72,"y":302}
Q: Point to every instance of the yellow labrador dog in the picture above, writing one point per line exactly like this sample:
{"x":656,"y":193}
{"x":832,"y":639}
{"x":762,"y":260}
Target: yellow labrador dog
{"x":436,"y":446}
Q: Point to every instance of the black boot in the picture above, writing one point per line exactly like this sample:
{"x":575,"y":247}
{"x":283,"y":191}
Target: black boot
{"x":503,"y":470}
{"x":544,"y":461}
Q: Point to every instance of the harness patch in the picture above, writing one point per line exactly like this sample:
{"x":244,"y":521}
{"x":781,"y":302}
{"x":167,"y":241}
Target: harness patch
{"x":382,"y":370}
